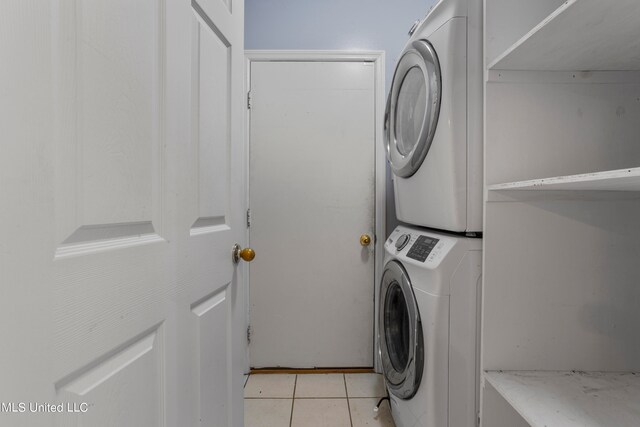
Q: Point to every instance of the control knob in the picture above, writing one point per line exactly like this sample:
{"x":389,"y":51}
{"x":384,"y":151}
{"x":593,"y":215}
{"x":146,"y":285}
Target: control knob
{"x":402,"y":241}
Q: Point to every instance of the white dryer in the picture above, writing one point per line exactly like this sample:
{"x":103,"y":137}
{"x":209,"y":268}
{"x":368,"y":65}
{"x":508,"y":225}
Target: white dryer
{"x":433,"y":120}
{"x":428,"y":327}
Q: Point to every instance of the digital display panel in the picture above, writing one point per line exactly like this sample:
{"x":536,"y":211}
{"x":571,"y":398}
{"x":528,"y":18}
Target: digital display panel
{"x":422,"y":248}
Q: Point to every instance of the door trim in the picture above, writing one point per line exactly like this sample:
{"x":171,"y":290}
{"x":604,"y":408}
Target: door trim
{"x":377,"y":58}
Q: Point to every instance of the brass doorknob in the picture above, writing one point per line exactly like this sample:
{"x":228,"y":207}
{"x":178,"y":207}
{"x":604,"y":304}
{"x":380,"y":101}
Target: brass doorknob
{"x":246,"y":254}
{"x":365,"y":240}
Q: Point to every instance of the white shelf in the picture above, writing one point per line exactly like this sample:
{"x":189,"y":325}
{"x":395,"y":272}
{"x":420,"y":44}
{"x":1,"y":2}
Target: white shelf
{"x":571,"y":399}
{"x":617,"y":180}
{"x":580,"y":35}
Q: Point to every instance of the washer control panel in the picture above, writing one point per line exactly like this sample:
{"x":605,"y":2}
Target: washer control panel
{"x":422,"y":248}
{"x":425,"y":247}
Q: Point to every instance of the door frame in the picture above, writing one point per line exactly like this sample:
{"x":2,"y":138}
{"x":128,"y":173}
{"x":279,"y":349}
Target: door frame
{"x":377,"y":58}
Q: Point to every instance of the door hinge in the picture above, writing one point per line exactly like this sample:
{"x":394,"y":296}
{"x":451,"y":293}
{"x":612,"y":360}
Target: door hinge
{"x":249,"y":334}
{"x":249,"y":100}
{"x":248,"y":218}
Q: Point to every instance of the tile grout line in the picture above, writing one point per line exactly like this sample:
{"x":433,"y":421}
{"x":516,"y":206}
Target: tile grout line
{"x":293,"y":399}
{"x":313,"y":398}
{"x":268,"y":398}
{"x":346,"y":392}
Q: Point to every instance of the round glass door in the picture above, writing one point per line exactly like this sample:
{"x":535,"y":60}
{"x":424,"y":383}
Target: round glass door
{"x":413,"y":108}
{"x":397,"y":329}
{"x":410,"y":109}
{"x":400,"y":333}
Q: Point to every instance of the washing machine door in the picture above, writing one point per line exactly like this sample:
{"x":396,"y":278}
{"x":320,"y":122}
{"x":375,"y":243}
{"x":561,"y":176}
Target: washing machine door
{"x":413,"y":107}
{"x":400,"y":332}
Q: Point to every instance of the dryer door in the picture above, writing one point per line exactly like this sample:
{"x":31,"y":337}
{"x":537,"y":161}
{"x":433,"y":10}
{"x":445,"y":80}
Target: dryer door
{"x":400,"y":332}
{"x":413,"y":107}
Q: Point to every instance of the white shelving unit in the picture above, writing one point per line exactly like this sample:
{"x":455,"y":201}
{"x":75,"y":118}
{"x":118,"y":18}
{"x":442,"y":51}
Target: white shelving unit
{"x":618,"y":180}
{"x":561,"y":286}
{"x":620,"y":184}
{"x":571,"y":399}
{"x":579,"y":35}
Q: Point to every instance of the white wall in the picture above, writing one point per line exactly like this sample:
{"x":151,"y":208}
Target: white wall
{"x":336,"y":24}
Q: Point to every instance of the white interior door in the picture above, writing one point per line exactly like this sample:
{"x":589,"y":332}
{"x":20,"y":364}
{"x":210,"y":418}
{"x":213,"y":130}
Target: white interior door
{"x":312,"y":195}
{"x":121,"y":184}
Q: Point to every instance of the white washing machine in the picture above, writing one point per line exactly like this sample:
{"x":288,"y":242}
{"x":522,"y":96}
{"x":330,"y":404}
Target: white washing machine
{"x":433,"y":120}
{"x":428,"y":327}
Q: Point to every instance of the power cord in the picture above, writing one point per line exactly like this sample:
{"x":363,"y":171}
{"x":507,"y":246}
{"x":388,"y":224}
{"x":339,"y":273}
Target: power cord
{"x":377,"y":407}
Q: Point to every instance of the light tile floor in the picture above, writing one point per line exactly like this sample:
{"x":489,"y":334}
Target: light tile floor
{"x":315,"y":400}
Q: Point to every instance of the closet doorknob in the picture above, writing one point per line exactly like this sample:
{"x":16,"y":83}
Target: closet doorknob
{"x":365,"y":240}
{"x":246,"y":254}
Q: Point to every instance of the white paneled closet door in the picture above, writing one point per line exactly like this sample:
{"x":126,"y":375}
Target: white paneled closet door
{"x":121,"y":184}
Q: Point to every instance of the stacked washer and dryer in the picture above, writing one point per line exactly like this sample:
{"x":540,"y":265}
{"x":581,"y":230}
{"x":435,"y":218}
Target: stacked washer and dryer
{"x":428,"y":298}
